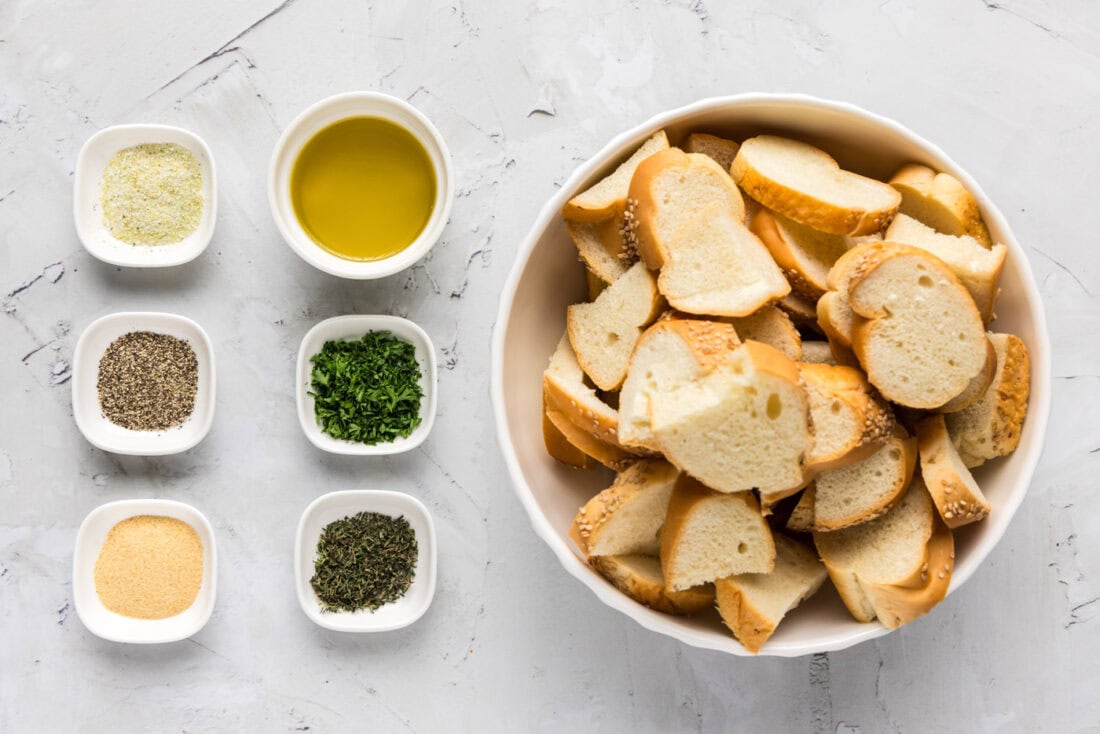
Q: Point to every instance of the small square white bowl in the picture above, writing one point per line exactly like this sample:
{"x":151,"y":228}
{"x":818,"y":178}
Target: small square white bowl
{"x":104,"y":623}
{"x":88,"y":212}
{"x":104,"y":434}
{"x":354,"y":327}
{"x":337,"y":505}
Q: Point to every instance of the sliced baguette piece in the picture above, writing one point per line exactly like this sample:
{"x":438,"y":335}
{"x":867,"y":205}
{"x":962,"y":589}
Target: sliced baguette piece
{"x":773,"y":327}
{"x":715,"y":266}
{"x":608,"y":454}
{"x":565,"y":391}
{"x":743,"y":426}
{"x":921,"y":339}
{"x":804,"y":254}
{"x":978,"y":267}
{"x":801,"y":310}
{"x":817,"y":352}
{"x":668,"y":190}
{"x":603,"y":333}
{"x":640,"y":578}
{"x":991,"y":427}
{"x":753,"y":604}
{"x":558,"y":446}
{"x":977,"y":387}
{"x":626,"y":517}
{"x":671,"y":352}
{"x":860,"y":492}
{"x":721,"y":150}
{"x":709,"y":535}
{"x":805,"y":184}
{"x":801,"y":519}
{"x":850,"y":423}
{"x":602,"y":248}
{"x":608,"y":197}
{"x":957,"y":496}
{"x":896,"y":567}
{"x":940,"y":201}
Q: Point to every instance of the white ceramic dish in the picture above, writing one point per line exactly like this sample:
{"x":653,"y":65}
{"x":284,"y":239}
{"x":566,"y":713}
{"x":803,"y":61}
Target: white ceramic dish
{"x":323,"y":114}
{"x":111,"y":626}
{"x":105,"y":435}
{"x":354,"y":327}
{"x":546,"y":278}
{"x":336,"y":505}
{"x":88,"y":214}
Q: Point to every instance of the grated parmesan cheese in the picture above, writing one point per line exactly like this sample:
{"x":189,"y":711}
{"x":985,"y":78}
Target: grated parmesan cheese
{"x":152,"y":194}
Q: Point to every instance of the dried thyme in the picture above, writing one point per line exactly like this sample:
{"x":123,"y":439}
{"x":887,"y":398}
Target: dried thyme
{"x":148,"y":381}
{"x":367,"y":390}
{"x":151,"y":194}
{"x":363,"y":562}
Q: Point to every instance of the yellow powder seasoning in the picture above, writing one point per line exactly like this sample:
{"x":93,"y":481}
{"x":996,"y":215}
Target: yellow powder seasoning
{"x":152,"y":194}
{"x":150,"y":567}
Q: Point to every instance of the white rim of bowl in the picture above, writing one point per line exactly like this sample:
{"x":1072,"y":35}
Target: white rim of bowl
{"x":1038,"y":412}
{"x":367,"y":269}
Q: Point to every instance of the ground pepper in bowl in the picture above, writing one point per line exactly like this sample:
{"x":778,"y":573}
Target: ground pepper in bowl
{"x":148,"y":381}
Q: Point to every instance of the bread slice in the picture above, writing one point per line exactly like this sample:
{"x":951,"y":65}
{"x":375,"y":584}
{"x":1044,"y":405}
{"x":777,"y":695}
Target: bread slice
{"x":640,"y":578}
{"x":957,"y":496}
{"x":709,"y":535}
{"x":860,"y":492}
{"x":626,"y":517}
{"x":602,"y":247}
{"x":670,"y":189}
{"x":582,"y":439}
{"x":977,"y":267}
{"x":921,"y":339}
{"x":603,"y":333}
{"x":977,"y":387}
{"x":817,"y":352}
{"x":715,"y":266}
{"x":801,"y":519}
{"x":849,"y":420}
{"x":743,"y":426}
{"x":753,"y":604}
{"x":991,"y":427}
{"x":940,"y":201}
{"x":801,"y":310}
{"x":805,"y":184}
{"x":895,"y":568}
{"x":608,"y":197}
{"x":773,"y":327}
{"x":804,"y":254}
{"x":558,"y":446}
{"x":565,"y":391}
{"x":721,"y":150}
{"x":670,"y":353}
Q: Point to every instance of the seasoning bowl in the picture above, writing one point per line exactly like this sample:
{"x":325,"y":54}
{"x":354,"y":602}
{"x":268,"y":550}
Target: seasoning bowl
{"x":350,"y":328}
{"x":321,"y":115}
{"x":91,"y":421}
{"x":88,"y":213}
{"x":337,"y":505}
{"x":104,"y":623}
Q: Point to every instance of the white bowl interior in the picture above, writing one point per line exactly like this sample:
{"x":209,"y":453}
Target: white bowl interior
{"x":323,"y":114}
{"x":353,"y":327}
{"x":104,"y":434}
{"x":547,"y":277}
{"x":336,"y":505}
{"x":87,"y":209}
{"x":111,"y":626}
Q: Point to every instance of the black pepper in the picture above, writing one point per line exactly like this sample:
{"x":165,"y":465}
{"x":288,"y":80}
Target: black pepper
{"x":148,"y":381}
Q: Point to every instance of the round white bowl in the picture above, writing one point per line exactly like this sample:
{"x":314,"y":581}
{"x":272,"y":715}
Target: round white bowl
{"x":546,"y":278}
{"x":323,"y":114}
{"x":336,"y":505}
{"x":88,"y":213}
{"x":105,"y":435}
{"x":351,"y":327}
{"x":109,"y":625}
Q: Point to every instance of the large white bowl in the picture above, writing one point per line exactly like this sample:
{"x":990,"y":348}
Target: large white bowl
{"x":547,"y":277}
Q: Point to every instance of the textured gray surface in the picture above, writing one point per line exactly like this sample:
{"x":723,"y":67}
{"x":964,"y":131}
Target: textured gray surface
{"x":522,"y":92}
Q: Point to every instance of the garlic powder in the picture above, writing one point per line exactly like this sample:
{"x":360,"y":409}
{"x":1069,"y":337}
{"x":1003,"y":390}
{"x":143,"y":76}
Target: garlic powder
{"x":152,"y":194}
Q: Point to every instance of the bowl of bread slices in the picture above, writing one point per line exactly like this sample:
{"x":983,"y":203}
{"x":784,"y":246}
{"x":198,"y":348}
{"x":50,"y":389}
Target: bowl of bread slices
{"x":771,"y":375}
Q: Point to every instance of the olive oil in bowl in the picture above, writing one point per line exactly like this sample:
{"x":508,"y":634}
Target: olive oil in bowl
{"x":363,"y":188}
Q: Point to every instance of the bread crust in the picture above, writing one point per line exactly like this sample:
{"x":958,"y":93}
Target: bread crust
{"x":607,"y":197}
{"x":618,"y":570}
{"x":558,"y":446}
{"x":957,"y":497}
{"x":784,"y":250}
{"x":634,"y":481}
{"x":876,"y":420}
{"x":941,"y":198}
{"x":610,"y":455}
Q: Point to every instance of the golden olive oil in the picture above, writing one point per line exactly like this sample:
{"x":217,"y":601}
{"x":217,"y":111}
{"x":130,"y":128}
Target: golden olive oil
{"x":363,"y":188}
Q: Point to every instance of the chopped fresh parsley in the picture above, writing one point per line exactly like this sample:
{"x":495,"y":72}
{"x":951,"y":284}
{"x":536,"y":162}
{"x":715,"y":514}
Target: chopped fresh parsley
{"x":367,"y":391}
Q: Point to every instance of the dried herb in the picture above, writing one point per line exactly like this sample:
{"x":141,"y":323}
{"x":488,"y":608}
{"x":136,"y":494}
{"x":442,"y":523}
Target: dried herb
{"x":363,"y":562}
{"x":367,"y":390}
{"x":148,"y":381}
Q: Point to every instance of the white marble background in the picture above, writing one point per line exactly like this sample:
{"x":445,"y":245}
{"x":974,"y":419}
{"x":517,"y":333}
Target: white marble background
{"x":522,"y":92}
